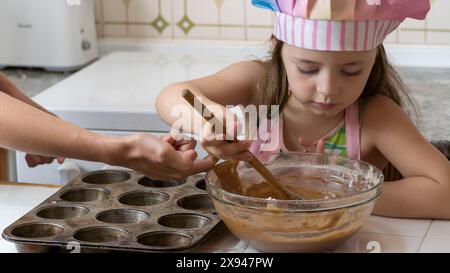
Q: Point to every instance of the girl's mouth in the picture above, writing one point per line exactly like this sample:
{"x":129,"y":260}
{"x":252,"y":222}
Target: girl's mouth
{"x":324,"y":106}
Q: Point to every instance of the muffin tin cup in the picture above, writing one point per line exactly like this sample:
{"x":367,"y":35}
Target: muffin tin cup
{"x":118,"y":211}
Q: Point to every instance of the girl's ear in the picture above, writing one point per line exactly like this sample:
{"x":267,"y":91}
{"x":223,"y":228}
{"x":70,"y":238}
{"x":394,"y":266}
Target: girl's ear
{"x":274,"y":42}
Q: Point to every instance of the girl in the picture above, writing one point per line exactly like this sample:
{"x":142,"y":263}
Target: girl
{"x":337,"y":94}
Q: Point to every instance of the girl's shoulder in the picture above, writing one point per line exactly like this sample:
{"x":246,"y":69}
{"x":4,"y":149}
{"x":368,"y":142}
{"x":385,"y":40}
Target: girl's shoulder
{"x":232,"y":85}
{"x":248,"y":72}
{"x":383,"y":124}
{"x":243,"y":77}
{"x":246,"y":67}
{"x":380,"y":115}
{"x":378,"y":107}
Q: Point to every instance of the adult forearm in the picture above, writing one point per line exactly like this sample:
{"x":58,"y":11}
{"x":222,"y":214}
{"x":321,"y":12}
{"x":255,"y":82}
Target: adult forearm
{"x":8,"y":87}
{"x":414,"y":197}
{"x":32,"y":131}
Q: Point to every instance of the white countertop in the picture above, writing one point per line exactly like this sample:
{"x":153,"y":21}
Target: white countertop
{"x":118,"y":91}
{"x":386,"y":234}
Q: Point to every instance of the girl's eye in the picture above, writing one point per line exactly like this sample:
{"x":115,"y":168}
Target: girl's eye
{"x":308,"y":72}
{"x":355,"y":73}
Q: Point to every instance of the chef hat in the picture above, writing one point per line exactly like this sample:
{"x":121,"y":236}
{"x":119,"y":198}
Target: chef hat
{"x":340,"y":25}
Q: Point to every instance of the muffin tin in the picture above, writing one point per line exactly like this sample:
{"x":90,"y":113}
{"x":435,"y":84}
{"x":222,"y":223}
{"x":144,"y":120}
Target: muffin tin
{"x":116,"y":210}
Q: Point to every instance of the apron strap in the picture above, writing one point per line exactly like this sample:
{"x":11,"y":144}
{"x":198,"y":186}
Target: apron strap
{"x":352,"y":131}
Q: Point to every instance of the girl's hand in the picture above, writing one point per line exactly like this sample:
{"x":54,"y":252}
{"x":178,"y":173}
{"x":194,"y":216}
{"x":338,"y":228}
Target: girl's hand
{"x":216,"y":146}
{"x":221,"y":146}
{"x":35,"y":160}
{"x":312,"y":148}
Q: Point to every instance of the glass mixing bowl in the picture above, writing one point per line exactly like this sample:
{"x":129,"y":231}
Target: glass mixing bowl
{"x":338,"y":196}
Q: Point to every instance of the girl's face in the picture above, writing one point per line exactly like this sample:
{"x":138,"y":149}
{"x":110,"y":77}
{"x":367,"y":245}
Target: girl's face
{"x":325,"y":82}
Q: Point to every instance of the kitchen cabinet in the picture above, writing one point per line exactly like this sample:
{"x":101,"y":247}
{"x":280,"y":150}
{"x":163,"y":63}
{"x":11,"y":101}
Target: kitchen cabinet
{"x":3,"y":164}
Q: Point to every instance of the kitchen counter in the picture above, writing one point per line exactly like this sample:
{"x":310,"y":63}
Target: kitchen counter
{"x":430,"y":88}
{"x":34,"y":81}
{"x":379,"y":234}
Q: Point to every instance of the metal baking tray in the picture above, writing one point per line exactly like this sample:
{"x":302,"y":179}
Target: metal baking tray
{"x":117,"y":210}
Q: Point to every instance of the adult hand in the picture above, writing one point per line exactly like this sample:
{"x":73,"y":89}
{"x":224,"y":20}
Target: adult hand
{"x":35,"y":160}
{"x":163,"y":158}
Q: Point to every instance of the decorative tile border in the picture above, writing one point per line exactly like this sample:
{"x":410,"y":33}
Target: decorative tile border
{"x":232,"y":20}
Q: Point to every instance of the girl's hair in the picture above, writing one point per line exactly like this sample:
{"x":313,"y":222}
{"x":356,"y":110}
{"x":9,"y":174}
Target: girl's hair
{"x":383,"y":80}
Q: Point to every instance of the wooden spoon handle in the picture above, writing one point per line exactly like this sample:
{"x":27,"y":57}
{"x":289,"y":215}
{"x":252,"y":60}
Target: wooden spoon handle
{"x":256,"y":164}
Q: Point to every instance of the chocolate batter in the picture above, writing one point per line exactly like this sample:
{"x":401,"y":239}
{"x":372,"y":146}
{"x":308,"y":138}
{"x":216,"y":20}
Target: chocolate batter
{"x":252,"y":185}
{"x":274,"y":230}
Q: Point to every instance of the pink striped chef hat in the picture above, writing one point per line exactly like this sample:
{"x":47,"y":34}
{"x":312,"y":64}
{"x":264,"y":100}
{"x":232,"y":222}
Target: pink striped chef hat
{"x":340,"y":25}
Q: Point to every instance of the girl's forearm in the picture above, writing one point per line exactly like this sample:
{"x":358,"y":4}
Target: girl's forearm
{"x":175,"y":111}
{"x":414,"y":197}
{"x":29,"y":130}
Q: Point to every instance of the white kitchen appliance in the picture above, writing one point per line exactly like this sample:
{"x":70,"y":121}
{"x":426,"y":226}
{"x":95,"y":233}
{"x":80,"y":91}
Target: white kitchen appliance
{"x":57,"y":35}
{"x":116,"y":95}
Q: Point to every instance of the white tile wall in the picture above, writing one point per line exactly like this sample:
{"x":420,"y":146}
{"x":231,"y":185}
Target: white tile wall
{"x":235,"y":20}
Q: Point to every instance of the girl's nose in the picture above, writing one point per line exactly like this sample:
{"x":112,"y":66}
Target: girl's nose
{"x":327,"y":84}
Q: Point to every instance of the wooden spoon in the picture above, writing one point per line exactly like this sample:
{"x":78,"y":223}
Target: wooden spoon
{"x":256,"y":164}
